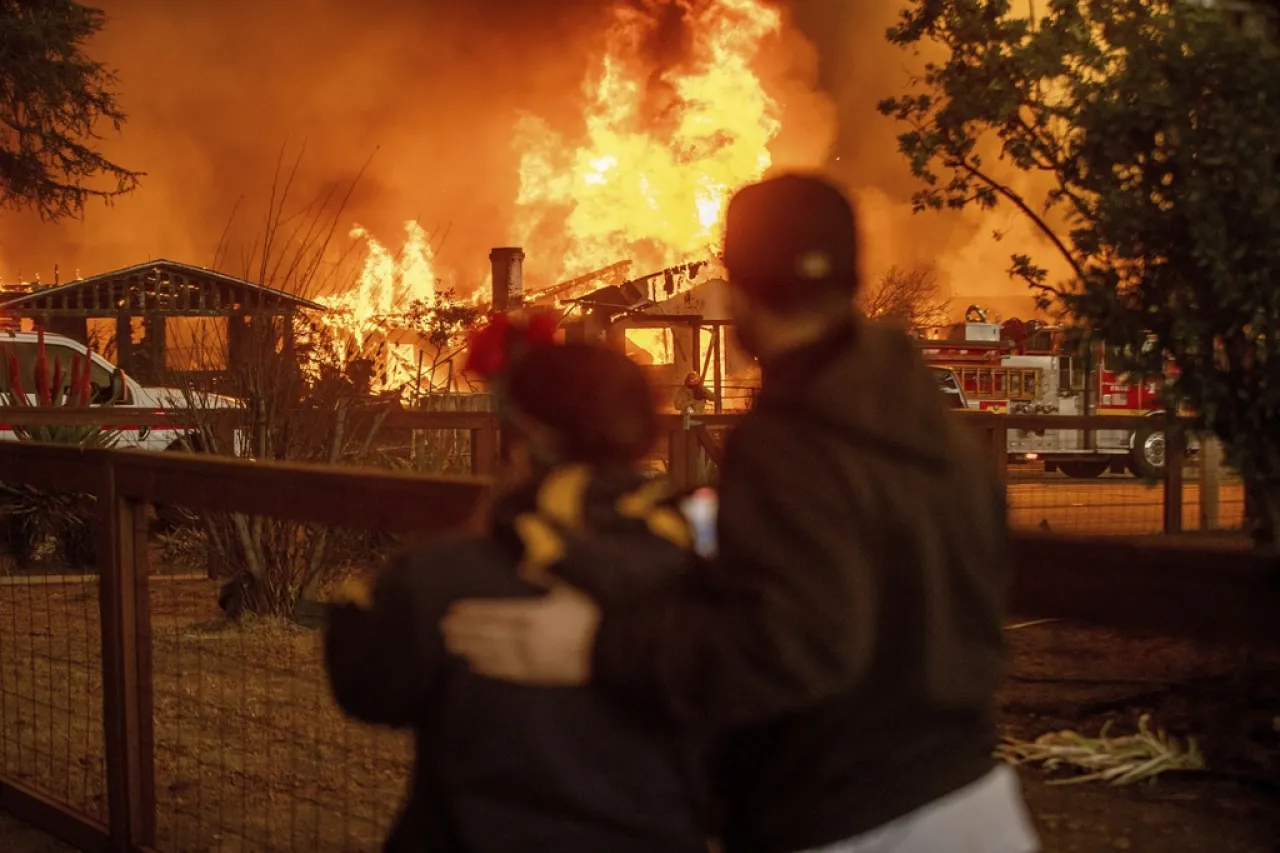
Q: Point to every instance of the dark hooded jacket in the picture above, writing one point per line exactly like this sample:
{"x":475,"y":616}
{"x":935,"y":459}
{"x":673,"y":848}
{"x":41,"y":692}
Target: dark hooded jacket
{"x":500,"y":767}
{"x":847,"y":638}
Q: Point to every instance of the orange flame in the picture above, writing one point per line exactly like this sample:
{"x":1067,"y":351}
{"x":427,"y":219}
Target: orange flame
{"x":387,"y":284}
{"x":650,"y":181}
{"x":661,"y":154}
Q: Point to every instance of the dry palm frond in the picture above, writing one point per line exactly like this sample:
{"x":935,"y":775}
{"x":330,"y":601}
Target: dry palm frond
{"x":1118,"y":760}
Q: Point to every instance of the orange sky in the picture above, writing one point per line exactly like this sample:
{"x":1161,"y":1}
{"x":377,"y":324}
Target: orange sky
{"x":213,"y":89}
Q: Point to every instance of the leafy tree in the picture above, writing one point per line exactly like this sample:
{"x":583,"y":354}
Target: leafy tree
{"x":52,"y":99}
{"x":911,"y":297}
{"x":1155,"y":127}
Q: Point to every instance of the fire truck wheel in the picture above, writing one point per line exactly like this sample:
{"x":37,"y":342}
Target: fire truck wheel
{"x":1084,"y":469}
{"x":1147,"y":459}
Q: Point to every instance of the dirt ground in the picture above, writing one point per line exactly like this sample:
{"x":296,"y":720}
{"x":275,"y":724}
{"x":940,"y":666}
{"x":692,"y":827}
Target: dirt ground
{"x":251,"y":754}
{"x":1072,"y":677}
{"x":17,"y":837}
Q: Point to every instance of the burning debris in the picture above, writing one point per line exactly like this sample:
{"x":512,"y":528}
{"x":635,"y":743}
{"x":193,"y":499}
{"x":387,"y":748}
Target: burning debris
{"x":398,"y":317}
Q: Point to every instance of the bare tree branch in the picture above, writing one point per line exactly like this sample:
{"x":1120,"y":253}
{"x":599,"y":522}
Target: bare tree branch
{"x":911,"y":297}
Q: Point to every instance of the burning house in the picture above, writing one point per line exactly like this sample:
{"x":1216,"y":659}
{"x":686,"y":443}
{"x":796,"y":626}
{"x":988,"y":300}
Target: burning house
{"x":641,"y":183}
{"x":397,"y":319}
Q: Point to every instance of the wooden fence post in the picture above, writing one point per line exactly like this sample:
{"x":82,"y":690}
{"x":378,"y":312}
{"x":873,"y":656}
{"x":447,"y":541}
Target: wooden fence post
{"x":1175,"y":457}
{"x":680,"y":459}
{"x":127,"y":684}
{"x":718,"y":374}
{"x":484,"y":449}
{"x":1210,"y":482}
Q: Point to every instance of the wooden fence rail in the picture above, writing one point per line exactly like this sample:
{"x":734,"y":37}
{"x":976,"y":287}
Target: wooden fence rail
{"x":1197,"y":592}
{"x":684,"y":443}
{"x":124,"y":483}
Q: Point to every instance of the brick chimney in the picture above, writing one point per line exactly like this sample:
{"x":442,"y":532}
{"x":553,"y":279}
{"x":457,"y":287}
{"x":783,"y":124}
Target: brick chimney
{"x":508,"y":278}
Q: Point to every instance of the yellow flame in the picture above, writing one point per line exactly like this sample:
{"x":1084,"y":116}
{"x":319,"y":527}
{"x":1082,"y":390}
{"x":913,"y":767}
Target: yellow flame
{"x":655,"y":344}
{"x":650,"y":183}
{"x":387,"y":284}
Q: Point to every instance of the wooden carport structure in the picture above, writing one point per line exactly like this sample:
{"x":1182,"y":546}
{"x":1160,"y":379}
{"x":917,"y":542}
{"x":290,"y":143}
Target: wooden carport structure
{"x":611,"y":311}
{"x":155,"y":292}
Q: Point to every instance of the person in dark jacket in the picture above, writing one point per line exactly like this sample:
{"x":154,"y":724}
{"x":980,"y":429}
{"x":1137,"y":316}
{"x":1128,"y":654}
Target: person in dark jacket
{"x":499,"y":767}
{"x":847,"y":637}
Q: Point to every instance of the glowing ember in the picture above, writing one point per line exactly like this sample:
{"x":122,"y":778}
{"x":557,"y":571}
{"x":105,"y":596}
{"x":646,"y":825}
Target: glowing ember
{"x":662,"y":150}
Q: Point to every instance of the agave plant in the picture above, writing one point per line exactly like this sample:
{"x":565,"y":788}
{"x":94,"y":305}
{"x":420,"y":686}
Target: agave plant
{"x":53,"y":392}
{"x":39,"y":524}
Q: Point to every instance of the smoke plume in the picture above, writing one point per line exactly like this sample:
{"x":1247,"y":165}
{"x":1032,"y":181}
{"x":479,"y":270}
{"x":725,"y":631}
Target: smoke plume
{"x":858,"y":67}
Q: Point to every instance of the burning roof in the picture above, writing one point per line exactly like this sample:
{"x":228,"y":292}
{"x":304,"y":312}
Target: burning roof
{"x":641,"y":294}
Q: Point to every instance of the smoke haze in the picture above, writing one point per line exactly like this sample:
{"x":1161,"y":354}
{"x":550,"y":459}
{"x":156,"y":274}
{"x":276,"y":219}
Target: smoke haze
{"x":213,"y":89}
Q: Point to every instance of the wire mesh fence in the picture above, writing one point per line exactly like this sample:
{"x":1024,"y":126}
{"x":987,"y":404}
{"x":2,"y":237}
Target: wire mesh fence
{"x":1115,"y":505}
{"x":215,"y":729}
{"x":251,"y":752}
{"x":51,"y":703}
{"x":246,"y":748}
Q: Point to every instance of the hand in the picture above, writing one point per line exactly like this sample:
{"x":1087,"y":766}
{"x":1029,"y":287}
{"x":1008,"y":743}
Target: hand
{"x":543,"y":642}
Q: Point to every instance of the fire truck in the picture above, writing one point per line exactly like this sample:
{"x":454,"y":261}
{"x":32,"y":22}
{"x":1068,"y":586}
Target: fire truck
{"x":1038,"y":377}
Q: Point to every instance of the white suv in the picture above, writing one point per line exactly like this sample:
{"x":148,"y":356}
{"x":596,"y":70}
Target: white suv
{"x":106,"y":381}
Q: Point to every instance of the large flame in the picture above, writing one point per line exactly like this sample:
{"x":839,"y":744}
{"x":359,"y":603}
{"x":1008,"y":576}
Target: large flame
{"x":648,"y":181}
{"x":662,"y":150}
{"x":388,"y":284}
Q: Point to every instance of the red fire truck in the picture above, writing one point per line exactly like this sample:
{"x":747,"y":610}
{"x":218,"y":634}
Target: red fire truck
{"x":1037,"y":377}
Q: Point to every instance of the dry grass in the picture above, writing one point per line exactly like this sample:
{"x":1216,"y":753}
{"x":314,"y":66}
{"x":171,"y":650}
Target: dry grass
{"x":251,"y":753}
